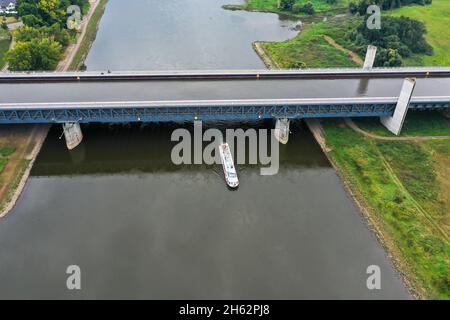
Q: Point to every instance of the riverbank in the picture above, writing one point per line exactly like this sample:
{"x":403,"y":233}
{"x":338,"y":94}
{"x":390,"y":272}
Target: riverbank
{"x":400,"y":185}
{"x":320,"y":6}
{"x":394,"y":255}
{"x":88,"y":36}
{"x":28,"y":139}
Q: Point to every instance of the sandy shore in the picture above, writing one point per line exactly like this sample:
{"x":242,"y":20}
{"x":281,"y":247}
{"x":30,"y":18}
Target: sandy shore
{"x":268,"y":61}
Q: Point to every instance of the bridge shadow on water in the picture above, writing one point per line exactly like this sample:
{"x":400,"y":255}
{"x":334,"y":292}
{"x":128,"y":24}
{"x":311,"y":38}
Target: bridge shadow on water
{"x":145,"y":148}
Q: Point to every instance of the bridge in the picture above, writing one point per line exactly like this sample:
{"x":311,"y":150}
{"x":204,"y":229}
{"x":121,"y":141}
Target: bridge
{"x":81,"y":97}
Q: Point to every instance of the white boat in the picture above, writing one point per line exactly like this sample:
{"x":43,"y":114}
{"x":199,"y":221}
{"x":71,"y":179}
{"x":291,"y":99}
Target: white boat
{"x":282,"y":130}
{"x":229,"y":169}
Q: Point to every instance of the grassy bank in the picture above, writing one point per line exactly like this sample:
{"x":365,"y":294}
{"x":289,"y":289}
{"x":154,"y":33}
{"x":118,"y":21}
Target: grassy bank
{"x":417,"y":124}
{"x":404,"y":186}
{"x":91,"y":33}
{"x":320,"y":6}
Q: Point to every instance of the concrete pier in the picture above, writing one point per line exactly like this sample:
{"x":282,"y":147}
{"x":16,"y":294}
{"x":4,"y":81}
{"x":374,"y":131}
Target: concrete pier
{"x":370,"y":57}
{"x":73,"y":135}
{"x":282,"y":130}
{"x":395,"y":123}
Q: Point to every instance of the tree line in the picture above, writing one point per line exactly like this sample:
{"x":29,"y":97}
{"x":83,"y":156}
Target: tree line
{"x":362,"y":5}
{"x":398,"y":37}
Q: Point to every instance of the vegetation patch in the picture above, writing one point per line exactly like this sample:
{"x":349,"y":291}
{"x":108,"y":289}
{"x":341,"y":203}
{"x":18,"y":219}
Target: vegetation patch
{"x":5,"y":42}
{"x":397,"y":181}
{"x":309,"y":49}
{"x":7,"y":151}
{"x":417,"y":123}
{"x":41,"y":42}
{"x":293,"y":7}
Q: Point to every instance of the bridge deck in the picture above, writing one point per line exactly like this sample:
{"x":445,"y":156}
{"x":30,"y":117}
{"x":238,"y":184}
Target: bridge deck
{"x":135,"y":91}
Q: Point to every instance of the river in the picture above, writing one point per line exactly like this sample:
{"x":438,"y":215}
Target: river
{"x":141,"y":227}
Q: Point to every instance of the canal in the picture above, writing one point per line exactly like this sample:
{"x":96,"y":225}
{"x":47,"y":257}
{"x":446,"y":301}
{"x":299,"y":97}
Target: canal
{"x":141,"y":227}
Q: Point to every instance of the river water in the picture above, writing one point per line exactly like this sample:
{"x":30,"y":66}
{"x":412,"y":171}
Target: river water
{"x":141,"y":227}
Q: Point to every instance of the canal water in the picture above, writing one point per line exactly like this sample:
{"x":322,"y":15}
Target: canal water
{"x":139,"y":226}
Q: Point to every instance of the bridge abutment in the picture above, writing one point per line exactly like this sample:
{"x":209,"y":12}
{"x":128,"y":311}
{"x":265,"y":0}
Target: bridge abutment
{"x":73,"y":134}
{"x":370,"y":57}
{"x":395,"y":122}
{"x":282,"y":130}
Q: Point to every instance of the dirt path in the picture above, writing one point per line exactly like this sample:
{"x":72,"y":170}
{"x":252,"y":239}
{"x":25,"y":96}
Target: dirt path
{"x":356,"y":59}
{"x":268,"y":61}
{"x":353,"y":125}
{"x":72,"y":50}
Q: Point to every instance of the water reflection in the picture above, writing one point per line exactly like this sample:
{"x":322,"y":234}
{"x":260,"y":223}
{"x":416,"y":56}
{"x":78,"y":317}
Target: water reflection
{"x":121,"y":148}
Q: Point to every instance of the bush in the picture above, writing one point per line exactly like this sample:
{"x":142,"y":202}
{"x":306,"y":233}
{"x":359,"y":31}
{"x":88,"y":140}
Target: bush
{"x":399,"y":38}
{"x":307,"y":8}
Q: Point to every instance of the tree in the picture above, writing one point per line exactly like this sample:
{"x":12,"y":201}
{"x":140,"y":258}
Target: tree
{"x":286,"y":4}
{"x":307,"y":8}
{"x":35,"y":55}
{"x":388,"y":58}
{"x":4,"y":24}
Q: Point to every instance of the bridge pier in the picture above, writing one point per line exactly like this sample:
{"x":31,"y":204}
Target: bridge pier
{"x":73,"y":134}
{"x":282,"y":130}
{"x":395,"y":123}
{"x":370,"y":57}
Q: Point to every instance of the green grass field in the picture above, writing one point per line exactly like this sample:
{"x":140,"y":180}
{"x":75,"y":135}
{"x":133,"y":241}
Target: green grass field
{"x":3,"y":163}
{"x":437,"y":20}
